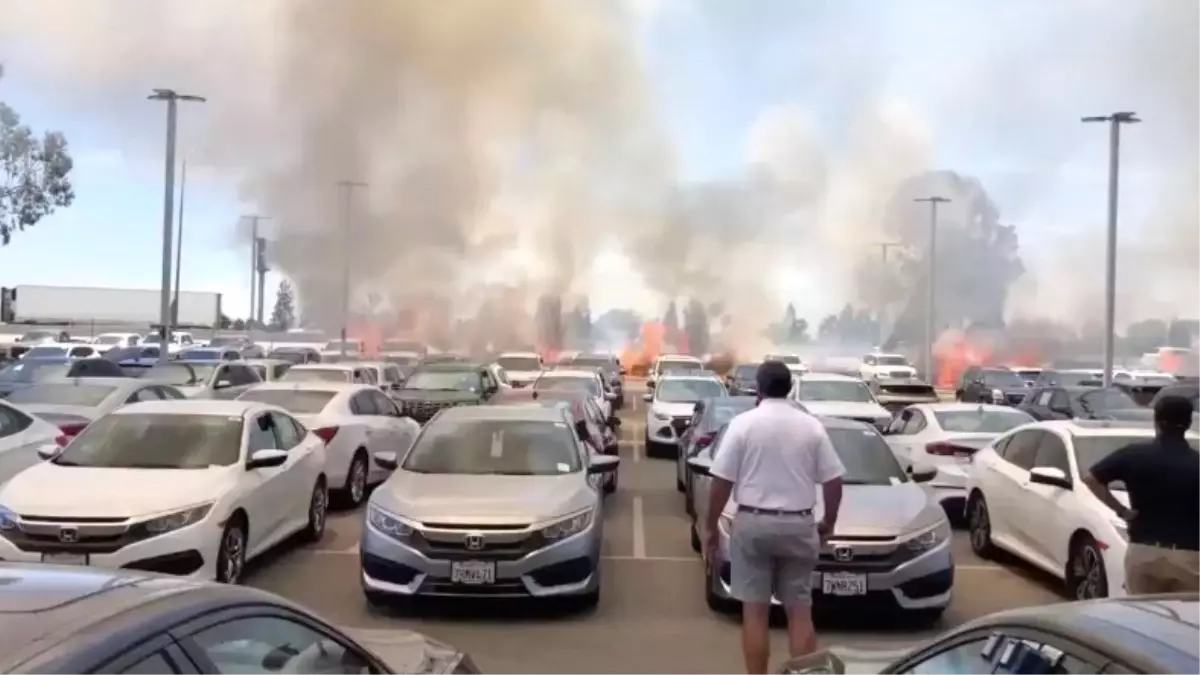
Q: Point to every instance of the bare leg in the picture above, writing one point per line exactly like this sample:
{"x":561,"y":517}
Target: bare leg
{"x":802,"y":637}
{"x":756,"y":637}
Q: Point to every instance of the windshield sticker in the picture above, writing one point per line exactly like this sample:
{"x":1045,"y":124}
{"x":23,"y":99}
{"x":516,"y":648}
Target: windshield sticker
{"x":563,"y":468}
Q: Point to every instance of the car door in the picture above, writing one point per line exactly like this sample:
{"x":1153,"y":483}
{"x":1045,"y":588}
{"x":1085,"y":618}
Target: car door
{"x":698,"y":486}
{"x":404,"y":427}
{"x":298,"y":471}
{"x":905,"y":436}
{"x":1037,"y":402}
{"x":19,"y":441}
{"x":243,"y":377}
{"x":367,"y":417}
{"x":1006,"y":488}
{"x":1047,"y":529}
{"x":393,"y":432}
{"x":1061,"y":407}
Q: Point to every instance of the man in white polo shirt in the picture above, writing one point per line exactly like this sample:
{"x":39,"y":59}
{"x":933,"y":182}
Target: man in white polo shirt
{"x":771,"y":461}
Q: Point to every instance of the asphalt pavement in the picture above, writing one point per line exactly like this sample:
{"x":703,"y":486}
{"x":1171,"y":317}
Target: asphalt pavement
{"x":652,"y":617}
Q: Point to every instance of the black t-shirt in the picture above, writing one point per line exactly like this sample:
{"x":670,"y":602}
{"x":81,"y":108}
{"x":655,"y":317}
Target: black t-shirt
{"x":1163,"y":481}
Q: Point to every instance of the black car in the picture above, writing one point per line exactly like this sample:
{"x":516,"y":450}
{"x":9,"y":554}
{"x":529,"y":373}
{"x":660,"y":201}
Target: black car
{"x":709,"y":415}
{"x":296,"y":355}
{"x":1069,"y":378}
{"x":434,"y":386}
{"x":611,"y":369}
{"x":57,"y":619}
{"x":742,"y":380}
{"x":1088,"y":403}
{"x":1000,"y":386}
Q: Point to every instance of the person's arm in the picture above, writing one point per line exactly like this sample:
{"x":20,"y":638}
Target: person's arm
{"x":724,"y":473}
{"x":829,"y":472}
{"x":1109,"y":469}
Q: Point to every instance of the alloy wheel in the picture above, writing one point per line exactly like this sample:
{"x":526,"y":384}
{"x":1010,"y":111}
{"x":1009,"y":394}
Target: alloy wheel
{"x":318,"y":507}
{"x":358,"y":480}
{"x":980,"y":527}
{"x":233,"y":559}
{"x":1089,"y":573}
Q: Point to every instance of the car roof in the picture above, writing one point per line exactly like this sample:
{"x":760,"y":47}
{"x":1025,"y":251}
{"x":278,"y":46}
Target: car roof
{"x":689,"y":377}
{"x":842,"y":423}
{"x":341,"y":365}
{"x":679,"y":357}
{"x":828,"y":377}
{"x":336,"y":387}
{"x":524,"y":413}
{"x":964,"y":407}
{"x":266,"y":362}
{"x":191,"y":407}
{"x":120,"y":382}
{"x":519,"y":355}
{"x":1103,"y":427}
{"x":569,"y":372}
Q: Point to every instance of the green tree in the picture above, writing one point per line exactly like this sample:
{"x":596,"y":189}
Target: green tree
{"x":34,"y":178}
{"x":283,"y":315}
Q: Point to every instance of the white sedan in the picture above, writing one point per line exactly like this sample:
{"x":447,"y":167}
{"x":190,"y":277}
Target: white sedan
{"x":354,"y":420}
{"x":578,"y":380}
{"x":191,"y":488}
{"x":21,"y":434}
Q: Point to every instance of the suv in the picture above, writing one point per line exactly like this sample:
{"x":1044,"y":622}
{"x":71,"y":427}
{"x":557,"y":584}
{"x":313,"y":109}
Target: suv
{"x":435,"y":386}
{"x":997,"y":385}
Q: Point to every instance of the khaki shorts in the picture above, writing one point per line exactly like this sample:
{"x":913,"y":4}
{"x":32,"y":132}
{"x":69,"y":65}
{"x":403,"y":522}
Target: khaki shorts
{"x":1152,"y":569}
{"x":773,"y":556}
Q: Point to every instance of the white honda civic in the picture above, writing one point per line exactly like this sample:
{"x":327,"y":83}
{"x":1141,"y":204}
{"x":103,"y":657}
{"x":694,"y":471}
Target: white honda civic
{"x":192,"y":488}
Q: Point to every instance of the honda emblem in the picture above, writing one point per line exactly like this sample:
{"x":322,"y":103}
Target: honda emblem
{"x":68,"y":535}
{"x":474,"y":542}
{"x":843,"y":553}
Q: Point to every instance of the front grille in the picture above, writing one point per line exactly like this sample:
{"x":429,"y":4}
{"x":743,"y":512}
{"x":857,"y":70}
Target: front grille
{"x":502,"y":588}
{"x":450,"y":549}
{"x":681,"y":424}
{"x":571,"y":571}
{"x":40,"y":534}
{"x":382,"y":569}
{"x":1015,"y":399}
{"x":423,"y":411}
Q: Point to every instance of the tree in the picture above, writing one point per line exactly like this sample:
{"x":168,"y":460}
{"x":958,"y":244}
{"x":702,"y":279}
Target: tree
{"x":283,"y":315}
{"x":224,"y":322}
{"x":238,"y":324}
{"x":34,"y":178}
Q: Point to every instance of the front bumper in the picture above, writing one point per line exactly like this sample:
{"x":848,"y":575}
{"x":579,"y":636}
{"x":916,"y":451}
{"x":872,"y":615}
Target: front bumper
{"x":949,"y":487}
{"x":419,"y":567}
{"x":660,"y":431}
{"x":923,"y":582}
{"x":188,"y":552}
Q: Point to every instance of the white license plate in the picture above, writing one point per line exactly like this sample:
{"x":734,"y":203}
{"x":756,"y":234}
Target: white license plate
{"x":473,"y":572}
{"x":65,"y":558}
{"x":844,"y":584}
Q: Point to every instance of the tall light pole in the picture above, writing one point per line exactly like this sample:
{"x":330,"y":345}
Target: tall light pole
{"x":884,"y":247}
{"x":179,"y":247}
{"x":172,"y":98}
{"x":254,"y":261}
{"x":931,"y":284}
{"x":260,"y":247}
{"x":1115,"y":121}
{"x":347,"y":187}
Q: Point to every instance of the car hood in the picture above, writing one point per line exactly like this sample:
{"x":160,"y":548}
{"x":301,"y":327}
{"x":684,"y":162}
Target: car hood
{"x":845,"y":409}
{"x":673,"y":409}
{"x":878,"y":510}
{"x":436,"y":396}
{"x":522,"y":375}
{"x":192,"y":391}
{"x":80,"y":492}
{"x":479,"y":500}
{"x":848,"y":660}
{"x":406,"y":651}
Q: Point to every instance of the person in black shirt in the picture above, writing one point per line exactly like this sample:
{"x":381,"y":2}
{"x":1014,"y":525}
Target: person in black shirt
{"x":1162,"y":478}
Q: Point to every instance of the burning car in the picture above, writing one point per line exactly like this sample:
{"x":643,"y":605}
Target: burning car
{"x":896,"y":394}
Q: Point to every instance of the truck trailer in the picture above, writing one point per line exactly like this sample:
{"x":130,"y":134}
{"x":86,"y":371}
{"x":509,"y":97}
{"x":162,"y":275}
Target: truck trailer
{"x":79,"y":304}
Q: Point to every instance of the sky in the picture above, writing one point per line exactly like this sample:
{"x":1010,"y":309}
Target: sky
{"x":713,"y":67}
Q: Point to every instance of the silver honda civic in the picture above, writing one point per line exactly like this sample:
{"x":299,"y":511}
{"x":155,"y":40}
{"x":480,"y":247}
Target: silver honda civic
{"x":490,"y":501}
{"x":891,"y":548}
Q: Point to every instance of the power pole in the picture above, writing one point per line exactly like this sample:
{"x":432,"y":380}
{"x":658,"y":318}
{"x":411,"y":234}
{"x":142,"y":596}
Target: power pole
{"x":172,"y":98}
{"x":931,"y":285}
{"x":254,"y":264}
{"x":1115,"y":121}
{"x":261,"y":263}
{"x":347,"y":187}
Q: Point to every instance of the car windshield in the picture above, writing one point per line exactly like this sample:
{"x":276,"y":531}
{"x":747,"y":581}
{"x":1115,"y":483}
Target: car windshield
{"x":202,"y":354}
{"x":1105,"y":399}
{"x":720,"y":413}
{"x":790,"y":360}
{"x":603,"y":362}
{"x":746,"y":372}
{"x":1073,"y":379}
{"x":43,"y":352}
{"x":891,"y":360}
{"x":867,"y":457}
{"x":336,"y":345}
{"x":32,"y":371}
{"x":1002,"y":378}
{"x":180,"y":374}
{"x":981,"y":421}
{"x":443,"y":380}
{"x":1092,"y":449}
{"x":833,"y":390}
{"x":156,"y":441}
{"x":297,"y":402}
{"x":317,"y":375}
{"x":1028,"y":375}
{"x":498,"y":447}
{"x":519,"y":363}
{"x":568,"y":383}
{"x":62,"y":393}
{"x":688,"y":391}
{"x":679,"y":366}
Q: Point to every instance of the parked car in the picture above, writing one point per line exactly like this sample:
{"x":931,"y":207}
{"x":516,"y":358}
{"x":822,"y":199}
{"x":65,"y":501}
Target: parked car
{"x":709,"y":415}
{"x":74,"y":403}
{"x":999,"y":386}
{"x":836,"y":395}
{"x":295,"y":355}
{"x":22,"y":434}
{"x":1091,"y":403}
{"x":330,"y":372}
{"x":671,"y":406}
{"x":205,"y":379}
{"x":209,"y":354}
{"x":269,"y":370}
{"x":27,"y":372}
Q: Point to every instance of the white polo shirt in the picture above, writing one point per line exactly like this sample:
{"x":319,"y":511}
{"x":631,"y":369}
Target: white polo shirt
{"x":776,"y":455}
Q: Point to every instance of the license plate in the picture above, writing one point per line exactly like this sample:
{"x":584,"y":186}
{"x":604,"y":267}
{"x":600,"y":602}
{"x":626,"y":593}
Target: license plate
{"x":65,"y":558}
{"x":473,"y":572}
{"x":844,"y":584}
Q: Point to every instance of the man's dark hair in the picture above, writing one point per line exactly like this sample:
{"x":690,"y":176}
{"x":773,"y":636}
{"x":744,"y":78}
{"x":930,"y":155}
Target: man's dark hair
{"x":774,"y":379}
{"x":1173,"y":415}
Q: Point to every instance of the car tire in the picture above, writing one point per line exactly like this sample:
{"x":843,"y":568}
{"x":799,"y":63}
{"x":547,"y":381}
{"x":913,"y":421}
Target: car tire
{"x":979,"y":526}
{"x":611,"y":485}
{"x":1086,"y":577}
{"x":697,"y":545}
{"x":231,"y":551}
{"x":715,"y":602}
{"x":318,"y":510}
{"x":354,"y":492}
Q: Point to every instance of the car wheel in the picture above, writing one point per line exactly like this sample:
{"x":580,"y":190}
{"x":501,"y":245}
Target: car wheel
{"x":715,"y":602}
{"x":355,"y":490}
{"x":231,"y":552}
{"x":610,"y":486}
{"x":1086,"y":576}
{"x":696,"y":543}
{"x":318,"y":508}
{"x":980,"y":524}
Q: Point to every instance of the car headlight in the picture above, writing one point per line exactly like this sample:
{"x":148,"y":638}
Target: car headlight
{"x":387,"y":523}
{"x":176,"y":520}
{"x":573,"y":524}
{"x":931,"y":537}
{"x":724,"y":524}
{"x":997,"y":395}
{"x":8,"y":519}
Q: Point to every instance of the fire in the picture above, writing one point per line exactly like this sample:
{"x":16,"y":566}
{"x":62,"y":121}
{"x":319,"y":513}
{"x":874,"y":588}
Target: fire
{"x":954,"y":352}
{"x":639,"y":356}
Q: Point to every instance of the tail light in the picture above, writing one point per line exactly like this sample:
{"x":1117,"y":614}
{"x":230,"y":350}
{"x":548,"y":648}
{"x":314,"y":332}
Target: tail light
{"x":945,"y":449}
{"x":326,"y":433}
{"x":704,"y":441}
{"x":69,"y":431}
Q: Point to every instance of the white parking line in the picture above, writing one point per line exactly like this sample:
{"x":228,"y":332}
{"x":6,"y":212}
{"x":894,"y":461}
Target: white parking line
{"x":639,"y":529}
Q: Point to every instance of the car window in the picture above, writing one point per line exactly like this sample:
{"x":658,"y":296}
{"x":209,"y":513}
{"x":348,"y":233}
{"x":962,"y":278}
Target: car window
{"x":489,"y":382}
{"x":144,"y":394}
{"x":260,"y":435}
{"x":285,"y":432}
{"x":242,"y":375}
{"x":1022,"y":449}
{"x":361,"y":404}
{"x":271,"y":644}
{"x":13,"y":421}
{"x":1052,"y":452}
{"x":1067,"y":664}
{"x":962,"y":658}
{"x":279,"y":369}
{"x":391,"y":374}
{"x":169,"y":393}
{"x":1060,"y":399}
{"x":381,"y":404}
{"x":154,"y":663}
{"x":1044,"y":397}
{"x":81,"y":352}
{"x":224,"y":378}
{"x":915,"y":423}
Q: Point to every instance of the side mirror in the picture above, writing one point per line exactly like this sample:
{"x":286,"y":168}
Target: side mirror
{"x":1049,"y":475}
{"x":610,"y":395}
{"x":263,"y":459}
{"x":922,"y":473}
{"x":614,"y":422}
{"x":48,"y":451}
{"x":698,"y":466}
{"x":603,"y":464}
{"x":388,"y":461}
{"x":647,"y":397}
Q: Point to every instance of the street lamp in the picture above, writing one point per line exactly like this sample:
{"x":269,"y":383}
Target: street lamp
{"x":1110,"y":273}
{"x":256,"y":267}
{"x":347,"y":187}
{"x":172,"y":98}
{"x":930,"y":283}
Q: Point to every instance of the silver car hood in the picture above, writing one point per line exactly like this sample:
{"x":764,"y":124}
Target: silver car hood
{"x":846,"y":409}
{"x":673,"y":409}
{"x":879,"y":510}
{"x":482,"y":500}
{"x":522,"y":375}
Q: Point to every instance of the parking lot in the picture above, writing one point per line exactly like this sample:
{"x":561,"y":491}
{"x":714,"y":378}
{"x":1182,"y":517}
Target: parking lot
{"x":652,"y":615}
